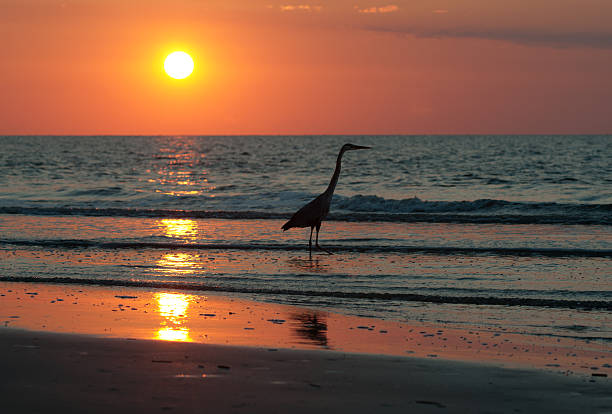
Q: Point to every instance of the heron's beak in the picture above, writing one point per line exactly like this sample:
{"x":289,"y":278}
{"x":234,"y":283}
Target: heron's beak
{"x":356,"y":147}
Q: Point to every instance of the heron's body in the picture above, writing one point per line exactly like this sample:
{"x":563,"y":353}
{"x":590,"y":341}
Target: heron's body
{"x":313,"y":213}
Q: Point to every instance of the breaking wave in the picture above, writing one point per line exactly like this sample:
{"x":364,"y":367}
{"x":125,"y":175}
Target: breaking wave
{"x":367,"y":208}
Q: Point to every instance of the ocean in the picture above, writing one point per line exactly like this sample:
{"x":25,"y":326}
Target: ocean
{"x":487,"y":232}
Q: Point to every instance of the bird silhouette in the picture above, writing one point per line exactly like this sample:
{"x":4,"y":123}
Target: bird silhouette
{"x":313,"y":213}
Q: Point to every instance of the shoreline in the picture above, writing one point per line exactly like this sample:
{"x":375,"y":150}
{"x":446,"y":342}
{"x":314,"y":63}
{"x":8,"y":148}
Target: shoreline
{"x":172,"y":315}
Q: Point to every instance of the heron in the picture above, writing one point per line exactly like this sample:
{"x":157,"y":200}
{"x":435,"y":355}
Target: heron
{"x":313,"y":213}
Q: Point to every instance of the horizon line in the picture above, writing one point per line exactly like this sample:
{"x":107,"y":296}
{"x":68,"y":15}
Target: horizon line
{"x":305,"y":135}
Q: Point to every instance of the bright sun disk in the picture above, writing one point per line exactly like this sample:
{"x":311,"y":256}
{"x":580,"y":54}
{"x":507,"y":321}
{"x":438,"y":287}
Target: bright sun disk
{"x":178,"y":65}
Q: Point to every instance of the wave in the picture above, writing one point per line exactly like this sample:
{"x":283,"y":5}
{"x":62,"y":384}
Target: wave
{"x":139,"y":213}
{"x":371,"y":208}
{"x":436,"y":250}
{"x":100,"y":191}
{"x":403,"y":297}
{"x":375,"y":204}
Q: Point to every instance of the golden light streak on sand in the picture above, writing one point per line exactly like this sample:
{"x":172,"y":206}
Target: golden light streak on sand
{"x":173,"y":307}
{"x":173,"y":334}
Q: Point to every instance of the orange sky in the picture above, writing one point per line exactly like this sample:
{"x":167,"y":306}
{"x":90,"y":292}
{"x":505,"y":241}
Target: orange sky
{"x":265,"y":67}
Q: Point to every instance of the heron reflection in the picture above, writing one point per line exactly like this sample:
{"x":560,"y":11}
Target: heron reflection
{"x":312,"y":328}
{"x":308,"y":265}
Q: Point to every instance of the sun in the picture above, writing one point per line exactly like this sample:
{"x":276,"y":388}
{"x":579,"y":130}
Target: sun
{"x":178,"y":65}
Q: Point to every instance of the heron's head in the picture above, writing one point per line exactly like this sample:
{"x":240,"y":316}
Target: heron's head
{"x":350,"y":147}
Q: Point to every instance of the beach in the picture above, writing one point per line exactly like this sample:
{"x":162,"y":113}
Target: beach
{"x":153,"y":275}
{"x":139,"y":350}
{"x":239,"y":356}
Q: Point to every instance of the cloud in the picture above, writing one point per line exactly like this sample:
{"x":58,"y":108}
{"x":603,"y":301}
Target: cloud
{"x":529,"y":37}
{"x":300,"y":7}
{"x":537,"y":29}
{"x":383,"y":9}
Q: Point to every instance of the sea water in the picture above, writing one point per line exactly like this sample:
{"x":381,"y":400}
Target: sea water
{"x":511,"y":232}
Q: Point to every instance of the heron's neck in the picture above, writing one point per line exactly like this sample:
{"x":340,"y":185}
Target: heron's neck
{"x":334,"y":180}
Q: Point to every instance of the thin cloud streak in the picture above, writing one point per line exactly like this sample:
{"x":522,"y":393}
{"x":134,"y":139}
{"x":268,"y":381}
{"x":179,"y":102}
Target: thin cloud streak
{"x":519,"y":36}
{"x":300,"y":7}
{"x":383,"y":9}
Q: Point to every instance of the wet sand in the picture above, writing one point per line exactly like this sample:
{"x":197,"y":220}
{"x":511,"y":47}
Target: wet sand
{"x":170,"y":315}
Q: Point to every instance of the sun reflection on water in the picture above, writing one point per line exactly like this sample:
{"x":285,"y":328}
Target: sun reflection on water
{"x":174,"y":308}
{"x":180,"y":263}
{"x":180,"y":228}
{"x":180,"y":168}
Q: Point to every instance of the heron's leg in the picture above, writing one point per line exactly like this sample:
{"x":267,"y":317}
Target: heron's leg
{"x":317,"y":241}
{"x":310,"y":241}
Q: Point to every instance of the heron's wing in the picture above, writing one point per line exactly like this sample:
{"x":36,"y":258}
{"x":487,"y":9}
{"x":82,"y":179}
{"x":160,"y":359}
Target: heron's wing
{"x":309,"y":215}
